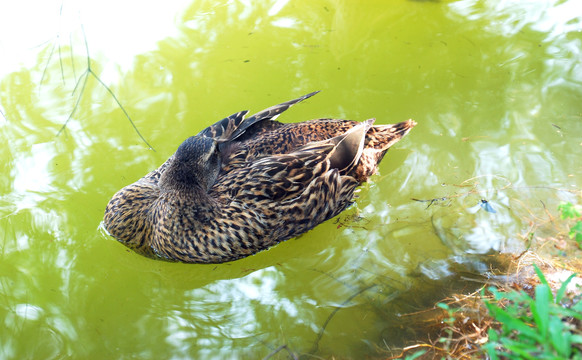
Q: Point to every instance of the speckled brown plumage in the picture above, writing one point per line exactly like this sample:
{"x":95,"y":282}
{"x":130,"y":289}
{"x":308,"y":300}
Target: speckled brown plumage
{"x":243,"y":185}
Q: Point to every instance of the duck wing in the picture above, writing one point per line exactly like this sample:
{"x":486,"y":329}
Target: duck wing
{"x":292,"y":193}
{"x":285,"y":176}
{"x":232,"y":127}
{"x":223,"y":129}
{"x":271,"y":113}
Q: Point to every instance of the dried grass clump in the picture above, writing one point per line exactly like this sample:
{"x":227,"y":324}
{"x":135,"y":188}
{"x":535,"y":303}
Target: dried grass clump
{"x":458,"y":326}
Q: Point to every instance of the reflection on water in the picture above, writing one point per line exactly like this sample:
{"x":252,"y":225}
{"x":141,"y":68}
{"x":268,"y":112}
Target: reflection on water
{"x":494,"y":86}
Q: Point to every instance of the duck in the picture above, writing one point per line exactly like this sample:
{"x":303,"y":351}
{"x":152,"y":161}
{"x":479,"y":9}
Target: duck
{"x":244,"y":184}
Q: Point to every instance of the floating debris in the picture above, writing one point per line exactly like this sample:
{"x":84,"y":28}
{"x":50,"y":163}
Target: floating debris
{"x":431,"y":201}
{"x":487,"y":206}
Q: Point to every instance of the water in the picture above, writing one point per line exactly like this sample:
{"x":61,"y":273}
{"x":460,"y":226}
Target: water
{"x":495,"y":86}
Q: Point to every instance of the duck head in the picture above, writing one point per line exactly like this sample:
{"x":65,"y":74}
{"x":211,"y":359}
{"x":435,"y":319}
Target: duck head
{"x":194,"y":167}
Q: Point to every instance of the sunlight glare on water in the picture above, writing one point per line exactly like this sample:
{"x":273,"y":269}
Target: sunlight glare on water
{"x":495,"y":87}
{"x":119,"y":30}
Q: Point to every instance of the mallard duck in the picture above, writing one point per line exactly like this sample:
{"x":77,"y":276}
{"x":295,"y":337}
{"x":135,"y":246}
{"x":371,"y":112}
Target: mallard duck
{"x":245,"y":184}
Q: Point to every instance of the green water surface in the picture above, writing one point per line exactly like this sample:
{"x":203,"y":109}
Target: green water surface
{"x":496,"y":89}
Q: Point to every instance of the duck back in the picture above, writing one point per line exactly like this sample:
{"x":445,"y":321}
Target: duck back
{"x":275,"y":181}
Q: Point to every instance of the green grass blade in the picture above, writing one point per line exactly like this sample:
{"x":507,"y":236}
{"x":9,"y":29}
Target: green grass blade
{"x":563,"y":312}
{"x":510,"y":323}
{"x":540,"y":308}
{"x":540,"y":275}
{"x":516,"y":347}
{"x":562,"y":290}
{"x":560,"y":337}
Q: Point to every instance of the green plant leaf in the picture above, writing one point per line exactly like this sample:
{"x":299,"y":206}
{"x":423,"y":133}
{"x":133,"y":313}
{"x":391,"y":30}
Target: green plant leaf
{"x":493,"y":290}
{"x":540,"y":275}
{"x":563,"y":312}
{"x":493,"y":336}
{"x":443,"y":306}
{"x":491,"y":345}
{"x":540,"y":308}
{"x":510,"y":323}
{"x":568,"y":210}
{"x":519,"y":348}
{"x":562,"y":290}
{"x":576,"y":230}
{"x":560,"y":337}
{"x":539,"y":334}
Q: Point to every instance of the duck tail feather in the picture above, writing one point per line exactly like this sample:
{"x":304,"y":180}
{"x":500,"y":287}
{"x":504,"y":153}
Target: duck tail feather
{"x":382,"y":137}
